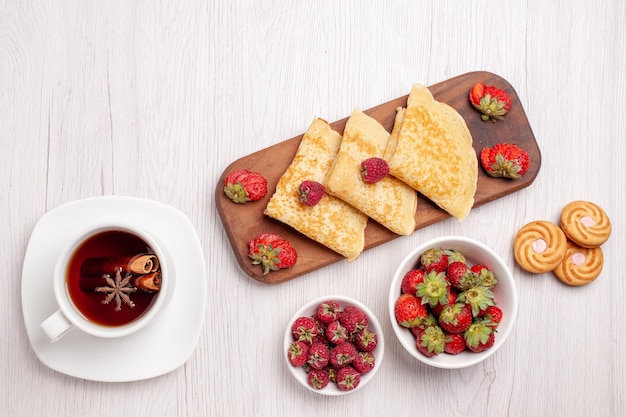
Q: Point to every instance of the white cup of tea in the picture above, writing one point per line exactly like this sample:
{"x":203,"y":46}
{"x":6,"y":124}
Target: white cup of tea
{"x":110,"y":281}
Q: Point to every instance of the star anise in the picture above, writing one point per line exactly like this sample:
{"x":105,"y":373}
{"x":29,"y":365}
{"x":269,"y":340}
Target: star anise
{"x":118,"y":289}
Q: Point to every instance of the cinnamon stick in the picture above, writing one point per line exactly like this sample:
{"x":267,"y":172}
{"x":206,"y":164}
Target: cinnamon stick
{"x":150,"y":282}
{"x":139,"y":264}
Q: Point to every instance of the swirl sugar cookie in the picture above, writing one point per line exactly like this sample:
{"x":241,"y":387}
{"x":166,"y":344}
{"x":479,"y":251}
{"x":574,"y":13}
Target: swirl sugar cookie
{"x":585,"y":223}
{"x":539,"y":246}
{"x":580,"y":265}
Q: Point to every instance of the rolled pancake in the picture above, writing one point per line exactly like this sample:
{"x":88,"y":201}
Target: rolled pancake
{"x":331,"y":222}
{"x":390,"y":202}
{"x":431,"y":150}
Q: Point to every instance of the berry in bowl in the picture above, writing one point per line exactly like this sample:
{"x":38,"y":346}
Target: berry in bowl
{"x":452,"y":302}
{"x":334,"y":345}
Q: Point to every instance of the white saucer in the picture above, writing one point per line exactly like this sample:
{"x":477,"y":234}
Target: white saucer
{"x":155,"y":350}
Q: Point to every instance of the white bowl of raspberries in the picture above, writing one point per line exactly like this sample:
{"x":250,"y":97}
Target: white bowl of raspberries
{"x":334,"y":345}
{"x":452,"y":302}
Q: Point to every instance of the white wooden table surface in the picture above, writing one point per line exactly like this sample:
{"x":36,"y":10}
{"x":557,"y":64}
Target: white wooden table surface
{"x":155,"y":99}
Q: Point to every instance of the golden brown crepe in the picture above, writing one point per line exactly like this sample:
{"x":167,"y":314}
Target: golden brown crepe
{"x":430,"y":149}
{"x":331,"y":222}
{"x":390,"y":202}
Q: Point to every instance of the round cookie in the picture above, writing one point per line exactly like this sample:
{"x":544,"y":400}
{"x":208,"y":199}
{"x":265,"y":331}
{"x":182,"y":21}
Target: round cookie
{"x":585,"y":223}
{"x":539,"y":246}
{"x":580,"y":265}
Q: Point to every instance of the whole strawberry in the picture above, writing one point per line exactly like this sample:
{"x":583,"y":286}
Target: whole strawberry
{"x":310,"y":192}
{"x":492,"y":316}
{"x":364,"y":362}
{"x":434,"y":259}
{"x":318,"y":378}
{"x":485,"y":275}
{"x":410,"y":281}
{"x":479,"y":337}
{"x":455,"y":344}
{"x":304,"y":329}
{"x":505,"y":160}
{"x":298,"y":353}
{"x":431,"y":341}
{"x":409,"y":310}
{"x":491,"y":101}
{"x":348,"y":378}
{"x":478,"y":298}
{"x":434,"y":290}
{"x":272,"y":252}
{"x":243,"y":185}
{"x":456,"y":318}
{"x":458,"y":273}
{"x":374,"y":169}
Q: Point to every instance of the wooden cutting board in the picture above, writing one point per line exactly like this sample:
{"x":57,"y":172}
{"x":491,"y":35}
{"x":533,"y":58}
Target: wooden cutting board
{"x":243,"y":222}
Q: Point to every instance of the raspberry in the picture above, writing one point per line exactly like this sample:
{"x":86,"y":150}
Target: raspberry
{"x":311,"y":192}
{"x":330,"y":352}
{"x":374,"y":170}
{"x":348,"y":378}
{"x":318,"y":378}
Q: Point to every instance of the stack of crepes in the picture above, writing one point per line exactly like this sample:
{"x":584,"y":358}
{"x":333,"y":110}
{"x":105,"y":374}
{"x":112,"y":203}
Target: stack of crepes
{"x":429,"y":150}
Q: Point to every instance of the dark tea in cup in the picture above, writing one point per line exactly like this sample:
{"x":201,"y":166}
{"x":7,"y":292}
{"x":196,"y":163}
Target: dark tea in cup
{"x":113,"y":277}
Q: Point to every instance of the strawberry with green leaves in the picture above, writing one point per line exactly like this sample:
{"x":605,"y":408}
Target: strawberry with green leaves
{"x":410,"y":281}
{"x":242,"y":185}
{"x":409,"y":311}
{"x":431,"y":341}
{"x":434,"y":259}
{"x":434,"y":290}
{"x":460,"y":276}
{"x":505,"y":160}
{"x":272,"y":252}
{"x":492,"y":102}
{"x":456,"y":318}
{"x":492,"y":316}
{"x":486,"y":276}
{"x":428,"y":321}
{"x":455,"y":343}
{"x":479,"y":337}
{"x":478,"y":298}
{"x":454,"y":256}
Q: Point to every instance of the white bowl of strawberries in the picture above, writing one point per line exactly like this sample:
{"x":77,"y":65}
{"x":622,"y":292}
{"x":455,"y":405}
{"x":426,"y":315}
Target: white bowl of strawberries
{"x":452,"y":302}
{"x":334,"y":345}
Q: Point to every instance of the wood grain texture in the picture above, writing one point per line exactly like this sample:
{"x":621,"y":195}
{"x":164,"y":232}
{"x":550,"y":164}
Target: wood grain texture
{"x":243,"y":222}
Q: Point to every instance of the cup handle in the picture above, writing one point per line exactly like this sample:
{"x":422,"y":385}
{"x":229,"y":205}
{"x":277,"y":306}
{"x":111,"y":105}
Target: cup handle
{"x":56,"y":326}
